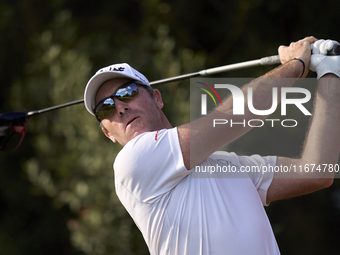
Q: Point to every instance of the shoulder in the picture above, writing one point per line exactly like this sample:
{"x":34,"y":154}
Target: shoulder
{"x":148,"y":141}
{"x":148,"y":149}
{"x":150,"y":165}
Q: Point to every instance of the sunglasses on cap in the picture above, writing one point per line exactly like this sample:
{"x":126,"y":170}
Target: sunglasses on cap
{"x":125,"y":93}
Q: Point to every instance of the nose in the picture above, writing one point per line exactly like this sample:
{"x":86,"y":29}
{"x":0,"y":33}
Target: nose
{"x":121,"y":107}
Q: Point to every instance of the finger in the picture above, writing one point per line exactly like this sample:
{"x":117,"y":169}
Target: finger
{"x":281,"y":48}
{"x":330,"y":44}
{"x":310,"y":39}
{"x":316,"y":46}
{"x":318,"y":42}
{"x":312,"y":47}
{"x":326,"y":46}
{"x":323,"y":47}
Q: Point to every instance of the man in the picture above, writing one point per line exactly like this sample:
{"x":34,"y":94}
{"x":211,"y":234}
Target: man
{"x":180,"y":214}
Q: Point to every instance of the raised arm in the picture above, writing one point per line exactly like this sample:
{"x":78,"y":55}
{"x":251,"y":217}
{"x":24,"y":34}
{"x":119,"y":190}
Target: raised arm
{"x":321,"y":148}
{"x":206,"y":139}
{"x":322,"y":145}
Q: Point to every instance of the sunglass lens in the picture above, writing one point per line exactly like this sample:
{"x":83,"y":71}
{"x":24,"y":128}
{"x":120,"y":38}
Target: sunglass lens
{"x":126,"y":94}
{"x":106,"y":109}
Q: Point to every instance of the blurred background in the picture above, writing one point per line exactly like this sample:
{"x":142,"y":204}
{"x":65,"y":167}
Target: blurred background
{"x":56,"y":191}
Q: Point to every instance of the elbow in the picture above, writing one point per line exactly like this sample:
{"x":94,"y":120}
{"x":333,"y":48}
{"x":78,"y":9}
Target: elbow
{"x":329,"y":182}
{"x":323,"y":183}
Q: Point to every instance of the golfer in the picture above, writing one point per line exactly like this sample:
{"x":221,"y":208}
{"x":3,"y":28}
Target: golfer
{"x":181,"y":214}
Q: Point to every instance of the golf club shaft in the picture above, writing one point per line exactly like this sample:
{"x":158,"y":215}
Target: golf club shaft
{"x":272,"y":60}
{"x":31,"y":113}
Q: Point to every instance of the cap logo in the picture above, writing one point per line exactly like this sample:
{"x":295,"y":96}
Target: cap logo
{"x":119,"y":69}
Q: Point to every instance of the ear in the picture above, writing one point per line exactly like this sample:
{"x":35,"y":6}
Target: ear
{"x":108,"y":135}
{"x":158,"y":98}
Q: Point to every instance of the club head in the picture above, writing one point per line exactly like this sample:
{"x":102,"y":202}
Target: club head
{"x":12,"y":130}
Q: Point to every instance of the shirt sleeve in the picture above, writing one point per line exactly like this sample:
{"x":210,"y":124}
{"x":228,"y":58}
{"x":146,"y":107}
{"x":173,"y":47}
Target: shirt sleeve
{"x":265,"y":174}
{"x":151,"y":164}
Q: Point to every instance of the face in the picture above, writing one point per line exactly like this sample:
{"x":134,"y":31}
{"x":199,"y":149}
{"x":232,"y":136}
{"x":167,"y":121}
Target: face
{"x":141,"y":114}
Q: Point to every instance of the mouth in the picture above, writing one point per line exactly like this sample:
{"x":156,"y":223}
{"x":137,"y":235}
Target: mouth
{"x":131,"y":120}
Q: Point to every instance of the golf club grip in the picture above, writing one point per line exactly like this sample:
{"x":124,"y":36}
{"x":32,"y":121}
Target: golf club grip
{"x":335,"y":51}
{"x":272,"y":60}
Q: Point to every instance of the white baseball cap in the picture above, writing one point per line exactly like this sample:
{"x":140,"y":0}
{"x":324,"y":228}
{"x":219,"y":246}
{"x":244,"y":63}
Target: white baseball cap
{"x":102,"y":75}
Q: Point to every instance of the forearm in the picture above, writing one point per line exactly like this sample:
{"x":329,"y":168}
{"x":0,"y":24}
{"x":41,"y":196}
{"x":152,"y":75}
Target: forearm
{"x":322,"y":144}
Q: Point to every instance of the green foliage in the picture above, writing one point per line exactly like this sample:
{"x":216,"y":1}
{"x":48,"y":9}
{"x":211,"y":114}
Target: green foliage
{"x":57,"y":191}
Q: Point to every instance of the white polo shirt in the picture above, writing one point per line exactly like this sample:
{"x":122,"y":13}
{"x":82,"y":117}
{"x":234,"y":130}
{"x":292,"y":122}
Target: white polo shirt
{"x":181,"y":211}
